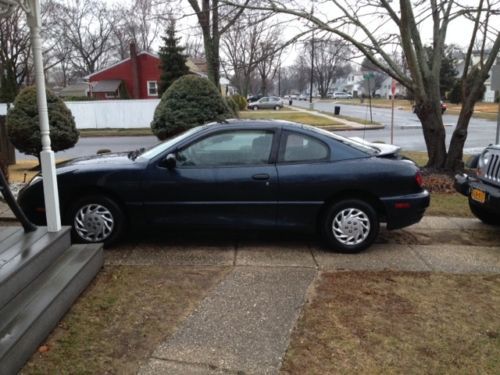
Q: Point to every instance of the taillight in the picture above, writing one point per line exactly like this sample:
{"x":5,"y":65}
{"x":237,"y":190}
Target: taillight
{"x":419,"y":179}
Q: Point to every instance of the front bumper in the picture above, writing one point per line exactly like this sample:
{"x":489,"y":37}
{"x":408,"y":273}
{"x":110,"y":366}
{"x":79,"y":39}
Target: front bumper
{"x":405,"y":210}
{"x":464,"y":184}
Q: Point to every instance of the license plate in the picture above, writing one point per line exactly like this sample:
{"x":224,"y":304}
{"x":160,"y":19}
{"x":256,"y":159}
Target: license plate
{"x":478,"y":195}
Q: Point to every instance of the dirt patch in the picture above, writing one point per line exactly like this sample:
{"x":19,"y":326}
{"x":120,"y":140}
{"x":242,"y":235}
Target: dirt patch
{"x":389,"y":322}
{"x":465,"y":237}
{"x":121,"y":318}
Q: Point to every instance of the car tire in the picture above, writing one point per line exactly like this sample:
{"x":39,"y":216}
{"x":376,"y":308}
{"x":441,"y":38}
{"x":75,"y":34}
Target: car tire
{"x":483,"y":215}
{"x":277,"y":108}
{"x":96,"y":218}
{"x":255,"y":108}
{"x":350,"y":226}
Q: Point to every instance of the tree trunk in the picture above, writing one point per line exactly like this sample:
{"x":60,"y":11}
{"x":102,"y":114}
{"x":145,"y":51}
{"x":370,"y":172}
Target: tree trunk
{"x":429,"y":113}
{"x":473,"y":90}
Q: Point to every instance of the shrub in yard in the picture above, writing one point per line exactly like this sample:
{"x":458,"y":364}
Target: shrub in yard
{"x":24,"y":129}
{"x":241,"y":101}
{"x":190,"y":101}
{"x":233,"y":106}
{"x":455,"y":95}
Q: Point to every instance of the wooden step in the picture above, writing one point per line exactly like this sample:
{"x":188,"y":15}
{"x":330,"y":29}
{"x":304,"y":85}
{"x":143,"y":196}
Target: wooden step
{"x":23,"y":256}
{"x":28,"y":318}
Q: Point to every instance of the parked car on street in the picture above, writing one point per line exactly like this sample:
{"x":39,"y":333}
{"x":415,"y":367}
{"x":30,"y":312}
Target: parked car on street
{"x":240,"y":175}
{"x":341,"y":95}
{"x":303,"y":97}
{"x":267,"y":102}
{"x":483,"y":189}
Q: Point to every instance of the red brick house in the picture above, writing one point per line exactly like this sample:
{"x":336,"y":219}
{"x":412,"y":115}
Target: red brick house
{"x":136,"y":77}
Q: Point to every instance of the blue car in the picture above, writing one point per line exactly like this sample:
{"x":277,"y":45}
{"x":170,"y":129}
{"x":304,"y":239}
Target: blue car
{"x":244,"y":175}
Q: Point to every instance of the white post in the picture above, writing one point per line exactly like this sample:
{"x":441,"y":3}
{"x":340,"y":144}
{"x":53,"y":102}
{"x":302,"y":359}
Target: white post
{"x":50,"y":190}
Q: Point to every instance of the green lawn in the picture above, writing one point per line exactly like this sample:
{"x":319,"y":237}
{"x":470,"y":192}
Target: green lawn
{"x":294,"y":116}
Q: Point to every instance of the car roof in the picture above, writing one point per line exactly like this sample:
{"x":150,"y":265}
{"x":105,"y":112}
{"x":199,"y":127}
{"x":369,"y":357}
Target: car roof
{"x":235,"y":123}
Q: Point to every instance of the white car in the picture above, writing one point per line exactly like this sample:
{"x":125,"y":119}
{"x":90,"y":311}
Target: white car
{"x":341,"y":95}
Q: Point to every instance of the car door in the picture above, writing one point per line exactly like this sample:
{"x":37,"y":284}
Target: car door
{"x":304,"y":172}
{"x":224,"y":178}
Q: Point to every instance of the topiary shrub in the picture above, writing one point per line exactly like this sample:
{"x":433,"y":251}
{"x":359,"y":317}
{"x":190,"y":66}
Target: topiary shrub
{"x":190,"y":101}
{"x":241,"y":101}
{"x":233,"y":106}
{"x":24,"y":129}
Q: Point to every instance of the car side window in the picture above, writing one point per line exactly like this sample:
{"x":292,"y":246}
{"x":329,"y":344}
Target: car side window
{"x":301,"y":148}
{"x":243,"y":147}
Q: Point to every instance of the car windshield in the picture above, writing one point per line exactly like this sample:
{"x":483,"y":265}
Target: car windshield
{"x":161,"y":147}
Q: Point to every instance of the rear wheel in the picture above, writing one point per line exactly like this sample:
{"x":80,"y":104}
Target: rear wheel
{"x":350,"y":226}
{"x":483,"y":215}
{"x":96,"y":218}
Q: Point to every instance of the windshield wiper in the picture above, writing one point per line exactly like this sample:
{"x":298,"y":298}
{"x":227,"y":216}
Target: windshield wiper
{"x":134,"y":154}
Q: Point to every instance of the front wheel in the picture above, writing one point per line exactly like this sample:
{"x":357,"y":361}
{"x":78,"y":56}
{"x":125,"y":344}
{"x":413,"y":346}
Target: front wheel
{"x":277,"y":108}
{"x":255,"y":108}
{"x":483,"y":215}
{"x":350,"y":226}
{"x":96,"y":219}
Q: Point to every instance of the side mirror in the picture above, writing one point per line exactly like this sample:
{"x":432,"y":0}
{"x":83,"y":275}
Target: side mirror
{"x":170,"y":161}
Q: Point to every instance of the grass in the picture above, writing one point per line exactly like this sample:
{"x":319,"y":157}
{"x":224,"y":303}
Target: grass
{"x":22,"y":171}
{"x":294,"y":116}
{"x":121,"y":318}
{"x":389,"y":322}
{"x":449,"y":204}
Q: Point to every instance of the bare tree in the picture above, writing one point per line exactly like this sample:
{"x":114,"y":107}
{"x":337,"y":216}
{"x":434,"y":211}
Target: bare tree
{"x":243,"y":46}
{"x":140,"y":23}
{"x":87,"y":27}
{"x":194,"y":48}
{"x":354,"y":22}
{"x":268,"y":60}
{"x":330,"y":61}
{"x":15,"y":47}
{"x":214,"y":20}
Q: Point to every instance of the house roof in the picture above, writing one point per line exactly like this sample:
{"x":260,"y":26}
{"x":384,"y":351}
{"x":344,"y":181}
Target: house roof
{"x":75,"y":89}
{"x":110,"y":85}
{"x":195,"y":66}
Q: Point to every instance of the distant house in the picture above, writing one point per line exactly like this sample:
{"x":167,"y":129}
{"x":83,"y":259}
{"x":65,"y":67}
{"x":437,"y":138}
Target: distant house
{"x":81,"y":89}
{"x":489,"y":94}
{"x":135,"y":77}
{"x":385,"y":89}
{"x":352,"y":84}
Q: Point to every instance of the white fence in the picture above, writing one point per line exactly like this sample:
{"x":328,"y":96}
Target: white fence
{"x":113,"y":113}
{"x":99,"y":114}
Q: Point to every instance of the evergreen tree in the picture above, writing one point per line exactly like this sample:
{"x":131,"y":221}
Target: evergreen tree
{"x":172,"y":60}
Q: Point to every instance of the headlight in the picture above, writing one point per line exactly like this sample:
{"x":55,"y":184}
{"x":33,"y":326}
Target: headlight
{"x":35,"y":179}
{"x":484,"y":159}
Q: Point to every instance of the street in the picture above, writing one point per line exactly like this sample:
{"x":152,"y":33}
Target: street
{"x":407,"y":132}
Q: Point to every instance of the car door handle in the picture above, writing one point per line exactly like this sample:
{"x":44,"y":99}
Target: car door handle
{"x":261,"y":176}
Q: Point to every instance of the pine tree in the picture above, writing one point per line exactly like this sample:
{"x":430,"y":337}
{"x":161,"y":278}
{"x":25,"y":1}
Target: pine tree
{"x":172,"y":60}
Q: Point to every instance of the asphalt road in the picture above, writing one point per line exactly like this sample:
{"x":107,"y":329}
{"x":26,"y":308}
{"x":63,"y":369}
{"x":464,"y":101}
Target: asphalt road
{"x":407,"y":132}
{"x":407,"y":127}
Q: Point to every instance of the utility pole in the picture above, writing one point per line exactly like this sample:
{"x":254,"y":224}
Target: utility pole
{"x":312,"y":72}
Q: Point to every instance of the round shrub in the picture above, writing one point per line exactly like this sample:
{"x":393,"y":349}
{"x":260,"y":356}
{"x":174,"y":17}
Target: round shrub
{"x":241,"y":101}
{"x":190,"y":101}
{"x":233,"y":106}
{"x":24,"y":129}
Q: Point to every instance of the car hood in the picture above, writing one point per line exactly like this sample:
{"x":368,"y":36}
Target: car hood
{"x":120,"y":158}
